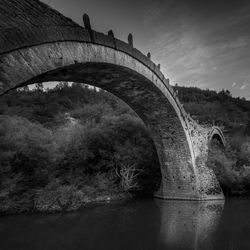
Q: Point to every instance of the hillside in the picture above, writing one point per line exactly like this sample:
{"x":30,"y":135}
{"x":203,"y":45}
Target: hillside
{"x":63,"y":147}
{"x":46,"y":107}
{"x":209,"y":106}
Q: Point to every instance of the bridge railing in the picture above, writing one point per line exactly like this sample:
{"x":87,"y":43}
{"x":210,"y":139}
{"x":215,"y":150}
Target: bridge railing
{"x":112,"y":42}
{"x":45,"y":25}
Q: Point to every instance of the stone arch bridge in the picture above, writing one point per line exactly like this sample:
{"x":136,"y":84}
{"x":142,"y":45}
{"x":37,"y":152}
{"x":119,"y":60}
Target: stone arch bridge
{"x":38,"y":44}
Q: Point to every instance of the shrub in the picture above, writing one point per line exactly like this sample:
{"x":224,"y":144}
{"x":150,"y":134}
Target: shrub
{"x":230,"y":165}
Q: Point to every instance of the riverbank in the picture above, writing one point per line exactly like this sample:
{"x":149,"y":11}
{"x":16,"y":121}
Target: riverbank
{"x":65,"y":199}
{"x":69,"y":199}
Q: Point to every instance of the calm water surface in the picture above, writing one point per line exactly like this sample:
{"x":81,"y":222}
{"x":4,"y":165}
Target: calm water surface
{"x":140,"y":224}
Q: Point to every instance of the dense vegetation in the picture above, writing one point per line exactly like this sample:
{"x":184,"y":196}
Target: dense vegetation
{"x":208,"y":106}
{"x":232,"y":163}
{"x":69,"y":145}
{"x":63,"y":147}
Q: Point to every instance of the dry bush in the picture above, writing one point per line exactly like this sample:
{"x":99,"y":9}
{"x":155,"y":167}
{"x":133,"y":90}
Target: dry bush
{"x":128,"y":174}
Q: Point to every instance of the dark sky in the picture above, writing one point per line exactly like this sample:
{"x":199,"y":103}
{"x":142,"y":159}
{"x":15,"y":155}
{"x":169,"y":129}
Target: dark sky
{"x":197,"y":42}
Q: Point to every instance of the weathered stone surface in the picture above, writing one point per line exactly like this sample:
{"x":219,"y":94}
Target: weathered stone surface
{"x":38,"y":44}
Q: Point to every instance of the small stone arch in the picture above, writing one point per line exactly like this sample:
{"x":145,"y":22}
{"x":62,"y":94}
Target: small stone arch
{"x":216,"y":133}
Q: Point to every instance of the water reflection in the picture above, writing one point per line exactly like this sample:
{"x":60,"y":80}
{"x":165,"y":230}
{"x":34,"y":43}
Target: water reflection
{"x":138,"y":225}
{"x":233,"y":231}
{"x":189,"y":224}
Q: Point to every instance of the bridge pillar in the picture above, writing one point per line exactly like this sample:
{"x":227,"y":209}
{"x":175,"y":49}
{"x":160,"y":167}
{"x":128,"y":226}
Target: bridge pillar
{"x":184,"y":177}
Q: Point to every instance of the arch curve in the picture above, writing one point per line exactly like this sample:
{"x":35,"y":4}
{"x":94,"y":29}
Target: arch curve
{"x":39,"y":48}
{"x":216,"y":133}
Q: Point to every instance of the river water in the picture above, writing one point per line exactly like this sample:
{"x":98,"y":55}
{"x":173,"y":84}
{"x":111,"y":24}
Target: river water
{"x":142,"y":224}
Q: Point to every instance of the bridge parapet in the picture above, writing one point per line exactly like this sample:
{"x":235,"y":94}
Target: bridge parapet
{"x":51,"y":26}
{"x":47,"y":25}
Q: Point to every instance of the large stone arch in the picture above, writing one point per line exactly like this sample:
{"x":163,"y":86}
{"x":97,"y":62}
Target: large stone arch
{"x":38,"y":44}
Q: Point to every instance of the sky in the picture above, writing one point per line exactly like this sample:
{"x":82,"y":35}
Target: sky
{"x":202,"y":43}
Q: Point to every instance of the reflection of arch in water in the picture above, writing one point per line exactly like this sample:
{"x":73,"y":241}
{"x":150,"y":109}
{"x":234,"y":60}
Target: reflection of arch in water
{"x":216,"y":133}
{"x":188,"y":225}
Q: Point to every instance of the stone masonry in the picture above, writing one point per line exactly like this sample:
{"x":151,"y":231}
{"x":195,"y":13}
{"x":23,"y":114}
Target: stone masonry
{"x":38,"y":44}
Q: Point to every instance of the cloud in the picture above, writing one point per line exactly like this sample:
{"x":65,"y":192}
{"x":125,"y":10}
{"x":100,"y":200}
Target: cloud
{"x":197,"y":45}
{"x":156,"y":9}
{"x":243,"y":86}
{"x":184,"y":58}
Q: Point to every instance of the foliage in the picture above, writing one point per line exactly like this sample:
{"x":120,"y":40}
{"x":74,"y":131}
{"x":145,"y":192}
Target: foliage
{"x":75,"y":143}
{"x":208,"y":106}
{"x":74,"y":151}
{"x":27,"y":149}
{"x":232,"y":164}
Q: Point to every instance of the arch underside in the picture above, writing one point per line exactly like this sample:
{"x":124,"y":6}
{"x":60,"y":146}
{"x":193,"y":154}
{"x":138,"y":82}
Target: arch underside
{"x":217,"y":134}
{"x":132,"y":82}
